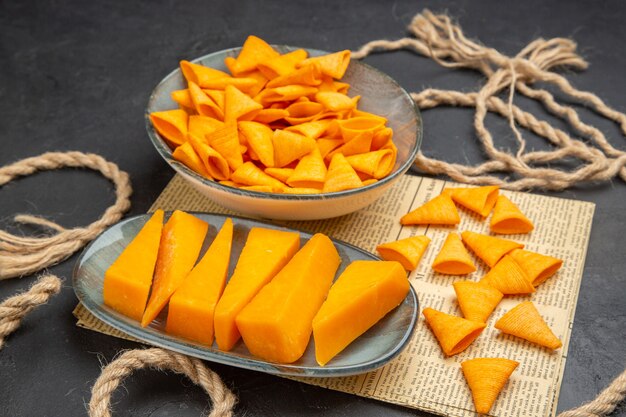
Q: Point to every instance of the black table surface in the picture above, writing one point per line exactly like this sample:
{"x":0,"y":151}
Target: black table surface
{"x":76,"y":75}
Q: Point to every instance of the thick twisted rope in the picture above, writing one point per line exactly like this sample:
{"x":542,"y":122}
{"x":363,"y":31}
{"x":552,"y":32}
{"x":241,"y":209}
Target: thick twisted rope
{"x":437,"y":37}
{"x":14,"y":308}
{"x":114,"y":373}
{"x":604,"y":403}
{"x":20,"y":255}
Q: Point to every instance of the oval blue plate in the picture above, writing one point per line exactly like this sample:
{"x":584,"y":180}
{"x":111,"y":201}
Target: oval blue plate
{"x":372,"y":350}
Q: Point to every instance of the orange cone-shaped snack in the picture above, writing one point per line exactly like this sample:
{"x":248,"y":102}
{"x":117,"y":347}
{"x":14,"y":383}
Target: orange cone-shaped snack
{"x":313,"y":129}
{"x":254,"y":51}
{"x":242,"y":84}
{"x":439,"y":210}
{"x":191,"y":308}
{"x":199,"y":74}
{"x":340,"y":176}
{"x":250,"y":174}
{"x":488,"y":248}
{"x":524,"y":321}
{"x":454,"y":334}
{"x":306,"y":75}
{"x":359,"y":144}
{"x":381,"y":138}
{"x":265,"y":253}
{"x":407,"y":251}
{"x":172,"y":125}
{"x":486,"y":377}
{"x":453,"y":258}
{"x":352,"y":127}
{"x":261,"y":82}
{"x":477,"y":300}
{"x":203,"y":104}
{"x":217,"y":96}
{"x":508,"y":277}
{"x":289,"y":146}
{"x":507,"y":218}
{"x":362,"y":295}
{"x":281,"y":174}
{"x":259,"y":138}
{"x":333,"y":65}
{"x":377,"y":164}
{"x":336,"y":101}
{"x":276,"y":325}
{"x":310,"y":172}
{"x":286,"y":93}
{"x":538,"y":267}
{"x":127,"y":281}
{"x":238,"y":105}
{"x":186,"y":154}
{"x":200,"y":126}
{"x":214,"y":163}
{"x":479,"y":200}
{"x":181,"y":240}
{"x":183,"y":99}
{"x":303,"y":112}
{"x":282,"y":64}
{"x":270,"y":115}
{"x":327,"y":145}
{"x":225,"y":140}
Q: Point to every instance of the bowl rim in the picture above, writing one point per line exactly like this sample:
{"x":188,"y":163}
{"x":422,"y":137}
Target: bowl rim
{"x":164,"y":150}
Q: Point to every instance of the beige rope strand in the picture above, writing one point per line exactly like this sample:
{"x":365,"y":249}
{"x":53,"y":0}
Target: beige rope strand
{"x":14,"y":308}
{"x":604,"y":403}
{"x":20,"y":255}
{"x":114,"y":373}
{"x":437,"y":37}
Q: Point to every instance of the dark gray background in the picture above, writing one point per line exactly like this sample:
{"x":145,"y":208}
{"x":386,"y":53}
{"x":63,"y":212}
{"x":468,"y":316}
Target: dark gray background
{"x":76,"y":75}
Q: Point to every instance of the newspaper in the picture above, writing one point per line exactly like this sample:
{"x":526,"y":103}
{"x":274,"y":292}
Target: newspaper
{"x":421,"y":377}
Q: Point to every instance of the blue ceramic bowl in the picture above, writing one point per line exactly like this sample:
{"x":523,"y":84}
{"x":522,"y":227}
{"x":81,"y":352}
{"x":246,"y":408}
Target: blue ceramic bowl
{"x":380,"y":95}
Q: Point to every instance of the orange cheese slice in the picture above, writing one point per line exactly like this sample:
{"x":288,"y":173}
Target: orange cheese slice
{"x":310,"y":172}
{"x":479,"y":199}
{"x":537,"y":267}
{"x":340,"y":176}
{"x":172,"y":125}
{"x":362,"y":295}
{"x":477,"y":300}
{"x":508,"y":219}
{"x":488,"y":248}
{"x":259,"y":138}
{"x":453,"y":258}
{"x":453,"y":333}
{"x":250,"y":174}
{"x":191,"y":308}
{"x":508,"y":277}
{"x":276,"y":325}
{"x":439,"y":210}
{"x":486,"y":377}
{"x":266,"y":252}
{"x":407,"y":251}
{"x":181,"y":241}
{"x":377,"y":164}
{"x":333,"y":65}
{"x":186,"y":154}
{"x":524,"y":321}
{"x":127,"y":281}
{"x":290,"y":146}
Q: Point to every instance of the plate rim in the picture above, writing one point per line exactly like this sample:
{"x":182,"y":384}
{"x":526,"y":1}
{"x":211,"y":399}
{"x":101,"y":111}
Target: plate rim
{"x":225,"y":357}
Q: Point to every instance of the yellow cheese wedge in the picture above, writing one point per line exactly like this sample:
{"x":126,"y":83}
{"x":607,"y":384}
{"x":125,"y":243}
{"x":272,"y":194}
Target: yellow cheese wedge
{"x":265,"y":253}
{"x":276,"y":325}
{"x":362,"y":295}
{"x":127,"y":281}
{"x":192,"y":306}
{"x":181,"y":241}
